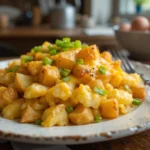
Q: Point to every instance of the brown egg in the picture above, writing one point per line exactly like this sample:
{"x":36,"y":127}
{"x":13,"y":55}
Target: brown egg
{"x":125,"y":27}
{"x":140,"y":23}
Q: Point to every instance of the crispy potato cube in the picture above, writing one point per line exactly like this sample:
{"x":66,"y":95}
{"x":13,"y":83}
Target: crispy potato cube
{"x":49,"y":75}
{"x":81,"y":115}
{"x":139,"y":91}
{"x":89,"y":53}
{"x":34,"y":67}
{"x":55,"y":115}
{"x":7,"y":96}
{"x":96,"y":83}
{"x":81,"y":70}
{"x":66,"y":59}
{"x":108,"y":87}
{"x":7,"y":78}
{"x":109,"y":108}
{"x":84,"y":95}
{"x":116,"y":80}
{"x":46,"y":44}
{"x":62,"y":91}
{"x":41,"y":56}
{"x":13,"y":110}
{"x":123,"y":97}
{"x":30,"y":115}
{"x":131,"y":79}
{"x":35,"y":90}
{"x":72,"y":82}
{"x":107,"y":56}
{"x":52,"y":101}
{"x":23,"y":82}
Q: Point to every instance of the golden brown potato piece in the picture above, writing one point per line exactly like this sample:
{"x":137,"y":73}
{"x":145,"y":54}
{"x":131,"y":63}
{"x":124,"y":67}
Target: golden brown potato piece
{"x":81,"y":115}
{"x":7,"y":96}
{"x":89,"y":53}
{"x":35,"y":90}
{"x":41,"y":56}
{"x":49,"y":75}
{"x":109,"y":108}
{"x":7,"y":78}
{"x":23,"y":82}
{"x":66,"y":59}
{"x":30,"y":115}
{"x":13,"y":110}
{"x":34,"y":67}
{"x":55,"y":115}
{"x":107,"y":56}
{"x":96,"y":83}
{"x":116,"y":80}
{"x":122,"y":96}
{"x":139,"y":91}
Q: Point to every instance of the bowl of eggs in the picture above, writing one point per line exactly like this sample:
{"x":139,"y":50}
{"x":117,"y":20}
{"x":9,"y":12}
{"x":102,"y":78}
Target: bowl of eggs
{"x":135,"y":37}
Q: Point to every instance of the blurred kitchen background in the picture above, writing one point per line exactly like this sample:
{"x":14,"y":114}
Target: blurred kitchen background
{"x":26,"y":23}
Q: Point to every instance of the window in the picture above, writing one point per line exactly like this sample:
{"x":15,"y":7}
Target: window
{"x":128,"y":7}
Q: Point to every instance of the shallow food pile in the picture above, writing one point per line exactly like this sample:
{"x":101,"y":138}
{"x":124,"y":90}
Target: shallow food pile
{"x":67,"y":83}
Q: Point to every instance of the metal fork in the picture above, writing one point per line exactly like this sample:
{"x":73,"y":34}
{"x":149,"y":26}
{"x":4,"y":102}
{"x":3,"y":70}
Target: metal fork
{"x":127,"y":64}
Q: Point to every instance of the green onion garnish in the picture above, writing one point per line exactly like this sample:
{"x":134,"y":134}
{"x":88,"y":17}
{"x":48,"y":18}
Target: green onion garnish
{"x":38,"y":122}
{"x":36,"y":49}
{"x":102,"y":70}
{"x":98,"y":119}
{"x":64,"y":72}
{"x":100,"y":91}
{"x":65,"y":79}
{"x":80,"y":61}
{"x":8,"y":70}
{"x":127,"y":87}
{"x":69,"y":109}
{"x":77,"y":44}
{"x":15,"y":69}
{"x":27,"y":58}
{"x":54,"y":52}
{"x":136,"y":101}
{"x":47,"y":61}
{"x":66,"y":39}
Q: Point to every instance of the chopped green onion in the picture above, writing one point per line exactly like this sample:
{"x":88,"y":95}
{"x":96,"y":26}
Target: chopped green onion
{"x":98,"y":119}
{"x":84,"y":46}
{"x":77,"y":44}
{"x":127,"y":87}
{"x":136,"y":101}
{"x":50,"y":46}
{"x":66,"y":79}
{"x":80,"y":61}
{"x":36,"y":49}
{"x":102,"y":70}
{"x":47,"y":61}
{"x":54,"y":52}
{"x":68,"y":40}
{"x":15,"y":69}
{"x":38,"y":122}
{"x":64,"y":72}
{"x":8,"y":70}
{"x":100,"y":91}
{"x":58,"y":43}
{"x":69,"y":109}
{"x":27,"y":58}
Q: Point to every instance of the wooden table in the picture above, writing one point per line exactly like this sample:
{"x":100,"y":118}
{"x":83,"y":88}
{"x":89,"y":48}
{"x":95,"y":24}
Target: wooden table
{"x":139,"y":141}
{"x":24,"y":38}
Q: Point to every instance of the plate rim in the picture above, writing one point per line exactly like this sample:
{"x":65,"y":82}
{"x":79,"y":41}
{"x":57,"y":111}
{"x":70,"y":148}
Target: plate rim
{"x":78,"y":139}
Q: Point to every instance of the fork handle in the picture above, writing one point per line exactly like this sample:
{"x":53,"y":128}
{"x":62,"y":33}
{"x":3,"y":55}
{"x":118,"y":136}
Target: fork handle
{"x":146,"y":81}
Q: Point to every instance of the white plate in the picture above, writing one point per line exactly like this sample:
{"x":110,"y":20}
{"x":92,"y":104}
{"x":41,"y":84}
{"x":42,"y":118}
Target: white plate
{"x":136,"y":121}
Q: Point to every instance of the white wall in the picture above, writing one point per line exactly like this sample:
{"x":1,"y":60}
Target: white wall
{"x":101,"y":10}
